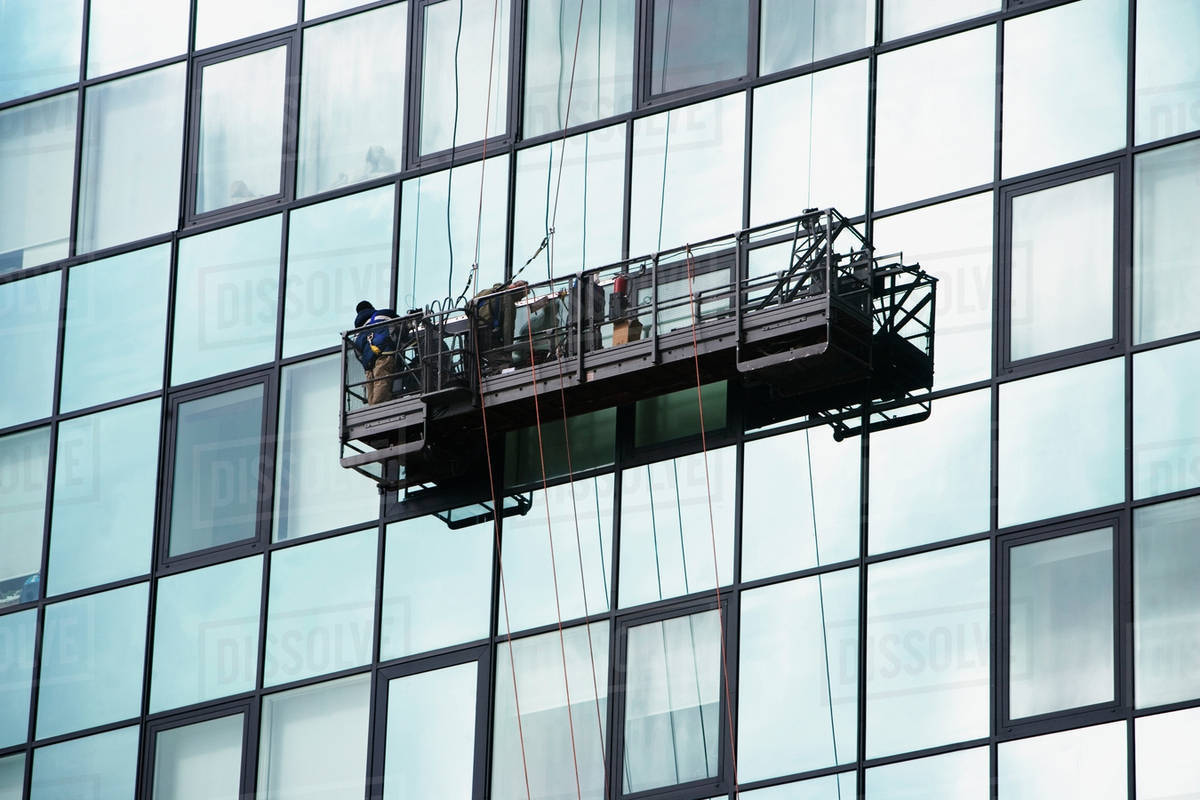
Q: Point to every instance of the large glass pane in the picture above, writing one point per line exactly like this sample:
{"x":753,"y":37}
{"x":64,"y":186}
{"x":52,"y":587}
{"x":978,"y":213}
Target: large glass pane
{"x":588,"y":216}
{"x":220,"y":21}
{"x":464,"y":97}
{"x":437,"y":248}
{"x":601,"y":64}
{"x":214,"y":499}
{"x":312,"y":630}
{"x":593,"y":444}
{"x":313,"y":741}
{"x":819,"y":523}
{"x":319,"y":8}
{"x":93,"y":649}
{"x":120,"y":299}
{"x":547,"y":718}
{"x":1166,"y":269}
{"x":241,"y":129}
{"x":935,"y":123}
{"x":202,"y":761}
{"x":105,"y":483}
{"x":339,"y":252}
{"x":12,"y":777}
{"x":676,"y":415}
{"x":1166,"y":79}
{"x":687,"y":174}
{"x":1060,"y":623}
{"x":1061,"y":257}
{"x":666,"y":534}
{"x":313,"y":493}
{"x":932,"y":480}
{"x":29,"y":341}
{"x":928,"y":652}
{"x":1060,"y":69}
{"x":437,"y":586}
{"x":352,"y":100}
{"x":673,"y":724}
{"x":809,"y":146}
{"x":1165,"y":766}
{"x":1082,"y":764}
{"x":1166,"y":607}
{"x":1062,"y":444}
{"x":226,"y":294}
{"x":798,"y":679}
{"x":132,"y":143}
{"x":37,"y":156}
{"x":795,"y":32}
{"x":17,"y":633}
{"x":828,"y":787}
{"x":1166,"y":429}
{"x":39,"y":45}
{"x":963,"y":775}
{"x":100,"y":767}
{"x":906,"y":17}
{"x":697,"y":42}
{"x":206,"y":634}
{"x":114,"y":44}
{"x":953,"y":242}
{"x":431,"y":734}
{"x":24,"y":471}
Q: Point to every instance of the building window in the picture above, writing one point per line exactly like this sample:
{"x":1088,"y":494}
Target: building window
{"x":1166,"y":431}
{"x":961,"y":775}
{"x":695,"y":43}
{"x":1167,"y":90}
{"x":24,"y":473}
{"x":12,"y":776}
{"x":220,"y":21}
{"x":1084,"y":763}
{"x":18,"y":632}
{"x":198,"y":760}
{"x":39,"y":46}
{"x":1165,"y":767}
{"x":113,"y":44}
{"x":797,"y":32}
{"x":107,"y":760}
{"x":29,"y":339}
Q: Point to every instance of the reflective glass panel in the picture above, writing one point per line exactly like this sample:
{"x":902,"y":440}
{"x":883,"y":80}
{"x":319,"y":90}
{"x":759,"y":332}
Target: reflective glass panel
{"x":547,"y":719}
{"x":828,"y":787}
{"x":37,"y":153}
{"x":214,"y":498}
{"x":795,"y":32}
{"x":339,"y":252}
{"x":593,"y":444}
{"x":798,"y":695}
{"x":319,"y":8}
{"x":601,"y":67}
{"x":1167,"y":75}
{"x":29,"y":341}
{"x":673,"y":722}
{"x":128,"y":33}
{"x":206,"y":634}
{"x":928,"y":652}
{"x":437,"y":586}
{"x":1060,"y":67}
{"x":226,"y":294}
{"x":431,"y":734}
{"x":202,"y":761}
{"x":906,"y":17}
{"x":105,"y":483}
{"x":352,"y":100}
{"x":962,"y":775}
{"x":93,"y":649}
{"x":1166,"y":767}
{"x":809,"y":145}
{"x":220,"y":21}
{"x":819,"y":478}
{"x":698,"y":42}
{"x":935,"y":123}
{"x":12,"y":777}
{"x":676,"y":415}
{"x":17,"y":633}
{"x":24,"y":465}
{"x":1166,"y":269}
{"x":1166,"y":607}
{"x":687,"y":174}
{"x":437,"y":249}
{"x":313,"y":741}
{"x":588,"y":217}
{"x":99,"y":767}
{"x":241,"y":129}
{"x":953,"y":242}
{"x":1082,"y":764}
{"x":932,"y":480}
{"x":39,"y":45}
{"x":132,"y":143}
{"x":666,"y":538}
{"x":457,"y":105}
{"x":120,"y":299}
{"x":321,"y":607}
{"x":1166,"y":429}
{"x":1060,"y":623}
{"x":1062,"y":443}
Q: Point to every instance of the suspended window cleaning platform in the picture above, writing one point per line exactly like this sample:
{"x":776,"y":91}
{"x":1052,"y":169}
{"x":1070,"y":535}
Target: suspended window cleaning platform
{"x":801,"y":313}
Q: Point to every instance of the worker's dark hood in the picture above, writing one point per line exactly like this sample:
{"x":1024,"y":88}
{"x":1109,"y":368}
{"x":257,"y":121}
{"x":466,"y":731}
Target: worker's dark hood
{"x":362,"y":317}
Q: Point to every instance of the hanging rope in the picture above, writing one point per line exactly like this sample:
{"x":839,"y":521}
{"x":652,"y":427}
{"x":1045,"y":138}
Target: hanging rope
{"x":449,"y":172}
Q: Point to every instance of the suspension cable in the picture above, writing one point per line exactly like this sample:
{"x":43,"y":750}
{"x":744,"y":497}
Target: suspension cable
{"x":449,"y":172}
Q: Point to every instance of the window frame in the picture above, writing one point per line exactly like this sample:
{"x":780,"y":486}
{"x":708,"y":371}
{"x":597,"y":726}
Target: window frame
{"x":248,"y":708}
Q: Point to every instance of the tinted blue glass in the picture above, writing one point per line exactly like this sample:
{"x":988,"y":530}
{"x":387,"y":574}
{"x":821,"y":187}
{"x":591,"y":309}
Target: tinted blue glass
{"x":1167,"y":75}
{"x":963,"y":775}
{"x":93,"y":650}
{"x":28,"y":339}
{"x":796,"y":32}
{"x":114,"y":44}
{"x":430,"y":734}
{"x":12,"y":777}
{"x":1166,"y":428}
{"x":697,"y":42}
{"x":39,"y":45}
{"x":1084,"y":763}
{"x":17,"y":632}
{"x":100,"y":767}
{"x":120,"y":299}
{"x":24,"y":464}
{"x":201,"y":761}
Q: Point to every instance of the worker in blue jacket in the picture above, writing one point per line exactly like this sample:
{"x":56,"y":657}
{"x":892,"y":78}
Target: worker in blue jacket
{"x":376,"y":350}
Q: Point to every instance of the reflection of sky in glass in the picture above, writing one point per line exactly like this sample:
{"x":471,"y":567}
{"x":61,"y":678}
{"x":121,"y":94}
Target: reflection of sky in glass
{"x":114,"y":44}
{"x":431,"y":734}
{"x":39,"y":45}
{"x":1089,"y":762}
{"x":906,"y":17}
{"x":963,"y":775}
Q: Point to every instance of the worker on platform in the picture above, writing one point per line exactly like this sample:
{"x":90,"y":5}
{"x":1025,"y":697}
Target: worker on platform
{"x":376,"y":350}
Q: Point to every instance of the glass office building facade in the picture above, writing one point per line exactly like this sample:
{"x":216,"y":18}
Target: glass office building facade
{"x":197,"y":601}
